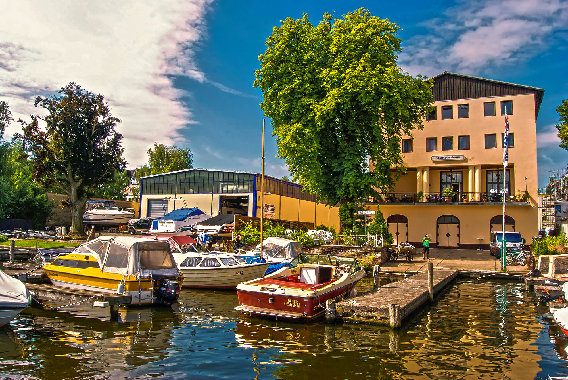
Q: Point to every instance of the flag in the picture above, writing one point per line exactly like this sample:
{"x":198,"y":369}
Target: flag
{"x":506,"y":141}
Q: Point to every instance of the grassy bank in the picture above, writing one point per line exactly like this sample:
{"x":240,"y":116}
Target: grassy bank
{"x":33,"y":243}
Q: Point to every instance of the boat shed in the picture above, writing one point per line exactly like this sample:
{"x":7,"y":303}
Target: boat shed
{"x":218,"y":192}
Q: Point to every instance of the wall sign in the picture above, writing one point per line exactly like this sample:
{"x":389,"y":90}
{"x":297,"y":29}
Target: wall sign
{"x":454,"y":157}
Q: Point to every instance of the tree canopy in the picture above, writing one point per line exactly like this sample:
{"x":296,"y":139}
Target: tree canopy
{"x":339,"y":103}
{"x":562,"y":125}
{"x":5,"y":117}
{"x":77,"y":148}
{"x":163,"y":159}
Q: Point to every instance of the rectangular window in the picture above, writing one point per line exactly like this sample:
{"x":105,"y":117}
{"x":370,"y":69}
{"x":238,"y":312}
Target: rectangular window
{"x":490,"y":141}
{"x":432,"y":114}
{"x":511,"y":140}
{"x":447,"y":112}
{"x":447,"y":143}
{"x":495,"y":185}
{"x":406,"y":145}
{"x":489,"y":109}
{"x":431,"y":144}
{"x":463,"y":111}
{"x":463,"y":142}
{"x":507,"y":105}
{"x":451,"y":183}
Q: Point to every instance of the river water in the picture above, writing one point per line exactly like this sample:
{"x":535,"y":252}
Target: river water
{"x":488,"y":330}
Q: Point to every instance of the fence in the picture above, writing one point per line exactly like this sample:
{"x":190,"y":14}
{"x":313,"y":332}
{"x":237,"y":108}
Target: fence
{"x":360,"y":240}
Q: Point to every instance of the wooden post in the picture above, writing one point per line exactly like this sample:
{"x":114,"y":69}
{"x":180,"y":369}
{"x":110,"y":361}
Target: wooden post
{"x":395,"y":316}
{"x":376,"y":272}
{"x":330,"y":310}
{"x":431,"y":280}
{"x":114,"y":316}
{"x":12,"y":247}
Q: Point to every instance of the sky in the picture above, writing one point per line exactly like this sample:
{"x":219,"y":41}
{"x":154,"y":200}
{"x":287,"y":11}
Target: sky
{"x":181,"y":72}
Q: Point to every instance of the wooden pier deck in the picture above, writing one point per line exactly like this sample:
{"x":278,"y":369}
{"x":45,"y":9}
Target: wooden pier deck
{"x":393,"y":303}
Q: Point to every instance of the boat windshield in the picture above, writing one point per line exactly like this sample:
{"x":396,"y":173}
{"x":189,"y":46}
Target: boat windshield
{"x":155,"y":256}
{"x":510,"y":237}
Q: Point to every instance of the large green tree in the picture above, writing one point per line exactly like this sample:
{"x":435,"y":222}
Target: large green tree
{"x":76,"y":148}
{"x":339,"y":103}
{"x":5,"y":117}
{"x":20,"y":196}
{"x":163,"y":159}
{"x":562,"y":125}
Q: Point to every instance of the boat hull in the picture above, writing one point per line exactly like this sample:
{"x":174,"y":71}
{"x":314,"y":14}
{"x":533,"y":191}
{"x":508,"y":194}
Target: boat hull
{"x":140,"y":290}
{"x":7,"y":314}
{"x":105,"y":218}
{"x":221,"y":278}
{"x":264,"y":300}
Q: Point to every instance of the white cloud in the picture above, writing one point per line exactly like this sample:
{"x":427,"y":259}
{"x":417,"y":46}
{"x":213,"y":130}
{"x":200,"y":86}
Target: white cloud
{"x":124,"y":50}
{"x":547,"y":138}
{"x":476,"y":34}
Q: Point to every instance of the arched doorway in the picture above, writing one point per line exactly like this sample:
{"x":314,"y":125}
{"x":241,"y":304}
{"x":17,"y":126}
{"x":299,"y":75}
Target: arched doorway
{"x":398,"y":227}
{"x":448,"y":231}
{"x":496,"y":223}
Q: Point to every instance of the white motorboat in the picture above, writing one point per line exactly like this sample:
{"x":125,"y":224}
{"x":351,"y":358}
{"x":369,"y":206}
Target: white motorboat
{"x":105,"y":213}
{"x":212,"y":270}
{"x":14,"y":297}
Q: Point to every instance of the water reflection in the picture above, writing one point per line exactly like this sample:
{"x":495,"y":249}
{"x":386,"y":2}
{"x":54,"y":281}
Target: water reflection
{"x":476,"y":330}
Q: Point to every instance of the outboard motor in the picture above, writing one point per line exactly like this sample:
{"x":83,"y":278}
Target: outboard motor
{"x":167,"y":291}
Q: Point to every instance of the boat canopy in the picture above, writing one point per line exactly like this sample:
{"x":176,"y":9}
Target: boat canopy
{"x":130,"y":255}
{"x":13,"y":292}
{"x":280,"y":248}
{"x":182,"y":214}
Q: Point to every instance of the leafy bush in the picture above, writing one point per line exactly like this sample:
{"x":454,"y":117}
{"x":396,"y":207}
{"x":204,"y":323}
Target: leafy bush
{"x":251,"y":234}
{"x":3,"y":239}
{"x":550,"y":245}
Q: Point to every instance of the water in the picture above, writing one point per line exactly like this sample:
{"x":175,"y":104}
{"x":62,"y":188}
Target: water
{"x":490,"y":330}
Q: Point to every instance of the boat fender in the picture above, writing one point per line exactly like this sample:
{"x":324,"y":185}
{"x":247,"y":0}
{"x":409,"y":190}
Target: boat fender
{"x":120,"y":288}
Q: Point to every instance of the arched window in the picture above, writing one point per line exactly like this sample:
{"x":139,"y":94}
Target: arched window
{"x":397,"y":218}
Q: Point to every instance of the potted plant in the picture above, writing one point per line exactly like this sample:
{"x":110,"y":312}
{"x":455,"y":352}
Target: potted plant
{"x":419,"y":196}
{"x":448,"y":194}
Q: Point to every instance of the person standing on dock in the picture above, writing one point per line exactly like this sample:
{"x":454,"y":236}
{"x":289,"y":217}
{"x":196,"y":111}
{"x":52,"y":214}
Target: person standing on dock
{"x":426,"y":247}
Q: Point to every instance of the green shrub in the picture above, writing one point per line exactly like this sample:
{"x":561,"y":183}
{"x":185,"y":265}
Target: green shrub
{"x":550,"y":245}
{"x":3,"y":239}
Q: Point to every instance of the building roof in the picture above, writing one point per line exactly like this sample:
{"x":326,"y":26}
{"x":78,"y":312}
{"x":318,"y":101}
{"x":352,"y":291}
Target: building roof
{"x":450,"y":86}
{"x":218,"y":220}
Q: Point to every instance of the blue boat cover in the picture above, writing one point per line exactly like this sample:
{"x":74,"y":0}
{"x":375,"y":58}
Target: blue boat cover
{"x":182,"y":214}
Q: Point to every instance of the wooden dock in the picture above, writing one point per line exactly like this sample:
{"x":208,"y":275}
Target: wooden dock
{"x":58,"y":298}
{"x":393,"y":303}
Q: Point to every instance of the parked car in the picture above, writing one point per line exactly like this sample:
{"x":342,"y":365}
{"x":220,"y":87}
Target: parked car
{"x":140,"y":226}
{"x":514,"y":240}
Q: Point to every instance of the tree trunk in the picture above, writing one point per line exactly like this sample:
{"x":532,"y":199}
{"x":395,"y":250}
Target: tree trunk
{"x":77,"y":210}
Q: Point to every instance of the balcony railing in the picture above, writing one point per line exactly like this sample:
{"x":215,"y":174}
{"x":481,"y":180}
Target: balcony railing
{"x":448,"y":197}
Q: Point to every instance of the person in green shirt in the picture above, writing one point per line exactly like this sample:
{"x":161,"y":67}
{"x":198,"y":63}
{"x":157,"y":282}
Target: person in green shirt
{"x":426,"y":247}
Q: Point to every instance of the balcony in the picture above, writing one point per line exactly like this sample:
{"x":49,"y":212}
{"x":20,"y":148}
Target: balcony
{"x":449,"y":197}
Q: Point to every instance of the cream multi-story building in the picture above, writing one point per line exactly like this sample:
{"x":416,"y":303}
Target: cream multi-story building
{"x":453,"y":186}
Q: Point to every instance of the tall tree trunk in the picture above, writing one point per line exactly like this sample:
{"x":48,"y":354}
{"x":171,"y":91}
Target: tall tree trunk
{"x":77,"y":209}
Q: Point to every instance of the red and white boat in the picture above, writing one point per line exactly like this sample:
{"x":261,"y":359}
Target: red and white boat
{"x":299,"y":291}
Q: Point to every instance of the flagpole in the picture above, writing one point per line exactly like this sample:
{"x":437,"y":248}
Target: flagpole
{"x":505,"y":162}
{"x":262,"y":193}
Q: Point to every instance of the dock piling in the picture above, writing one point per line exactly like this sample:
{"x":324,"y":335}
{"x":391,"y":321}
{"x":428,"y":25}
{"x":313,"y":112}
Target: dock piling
{"x":376,"y":272}
{"x":431,"y":280}
{"x":12,"y":247}
{"x":395,"y":316}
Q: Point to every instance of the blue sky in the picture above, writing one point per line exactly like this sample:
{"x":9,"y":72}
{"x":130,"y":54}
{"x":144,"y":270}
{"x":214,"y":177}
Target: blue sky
{"x":181,"y":72}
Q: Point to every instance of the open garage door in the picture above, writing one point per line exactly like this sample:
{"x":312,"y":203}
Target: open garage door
{"x":234,"y":204}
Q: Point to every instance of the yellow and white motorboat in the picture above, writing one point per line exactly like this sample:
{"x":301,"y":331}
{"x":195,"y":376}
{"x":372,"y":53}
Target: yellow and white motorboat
{"x":140,"y":267}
